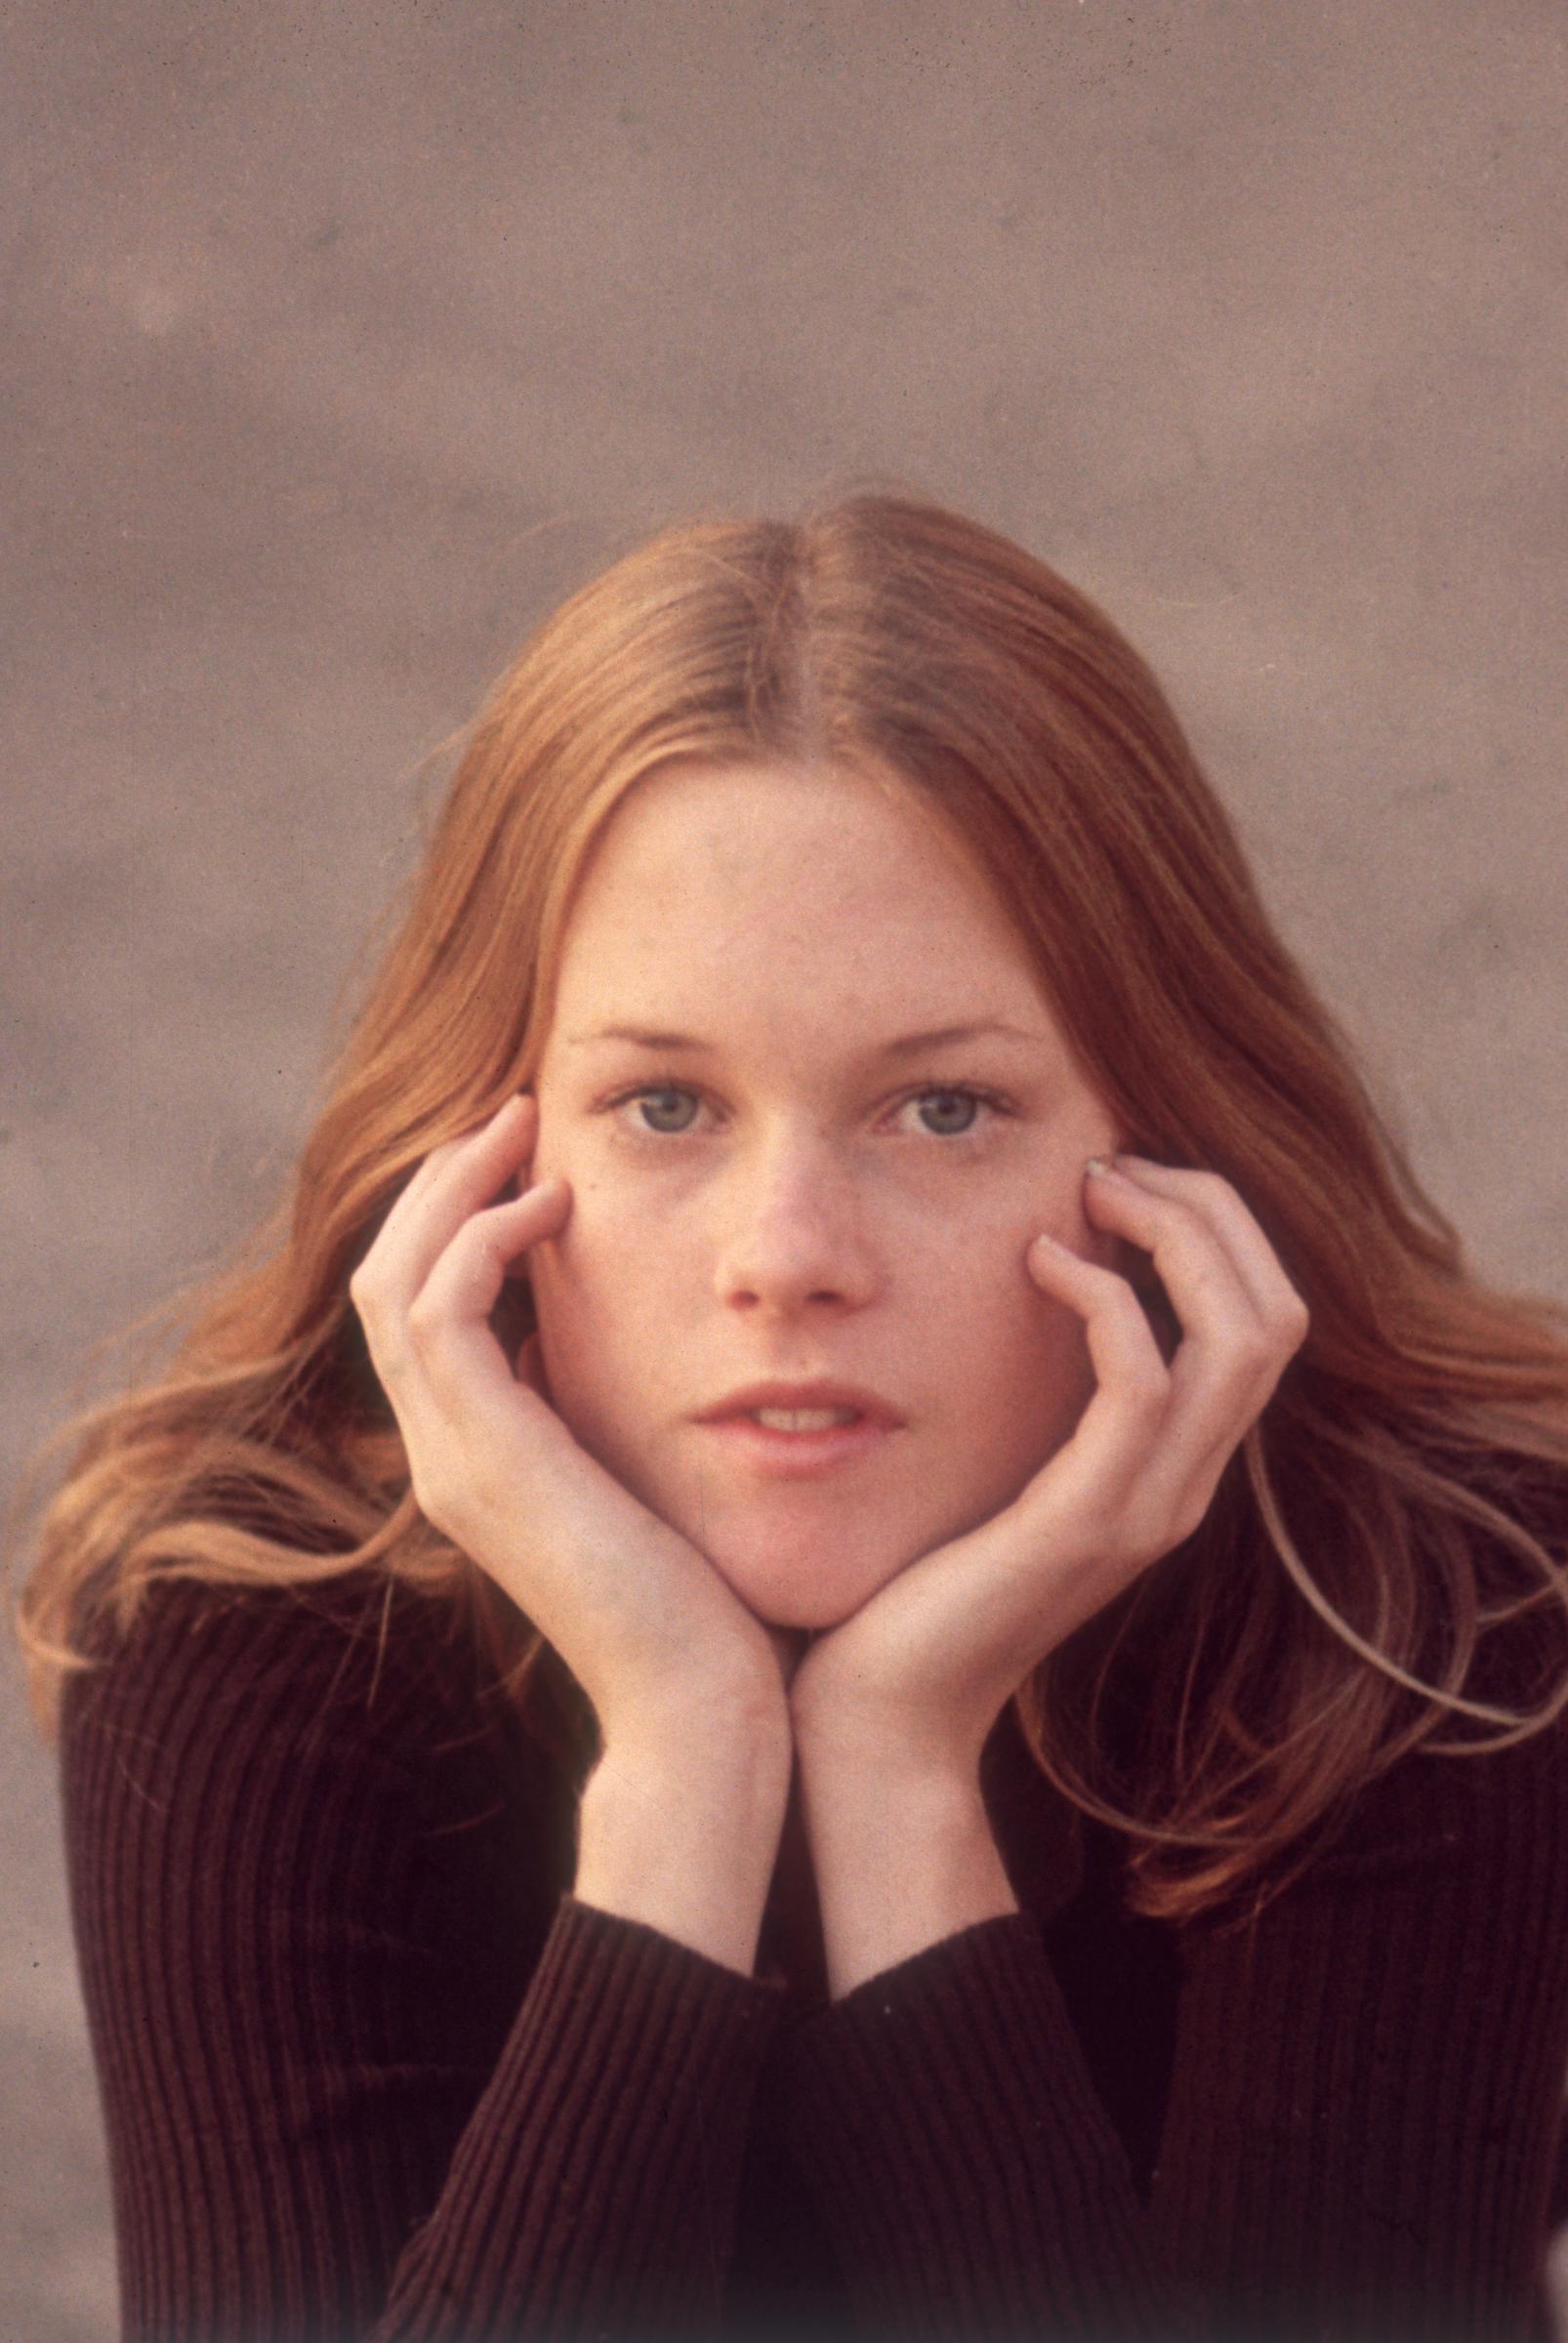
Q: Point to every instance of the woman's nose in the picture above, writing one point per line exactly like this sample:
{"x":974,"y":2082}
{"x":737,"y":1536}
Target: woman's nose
{"x":794,"y":1233}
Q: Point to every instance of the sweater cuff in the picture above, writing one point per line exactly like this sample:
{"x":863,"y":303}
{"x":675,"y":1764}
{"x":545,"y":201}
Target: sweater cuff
{"x":585,"y":1937}
{"x":959,"y":2151}
{"x":596,"y":2181}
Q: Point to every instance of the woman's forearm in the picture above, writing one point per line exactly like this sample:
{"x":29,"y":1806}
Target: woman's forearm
{"x":904,"y":1855}
{"x":681,"y":1829}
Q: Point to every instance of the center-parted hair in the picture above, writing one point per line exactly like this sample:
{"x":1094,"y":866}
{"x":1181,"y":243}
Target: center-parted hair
{"x":1400,"y":1500}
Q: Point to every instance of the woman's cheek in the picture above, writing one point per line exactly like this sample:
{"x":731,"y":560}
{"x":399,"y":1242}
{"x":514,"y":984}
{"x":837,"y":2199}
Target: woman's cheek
{"x":613,"y":1294}
{"x":567,"y":1271}
{"x":1039,"y":1352}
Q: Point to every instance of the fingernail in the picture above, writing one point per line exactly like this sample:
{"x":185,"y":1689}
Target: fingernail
{"x":1102,"y":1167}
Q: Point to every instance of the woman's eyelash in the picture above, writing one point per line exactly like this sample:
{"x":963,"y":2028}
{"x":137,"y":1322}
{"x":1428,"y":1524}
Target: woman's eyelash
{"x":651,"y":1089}
{"x":992,"y":1100}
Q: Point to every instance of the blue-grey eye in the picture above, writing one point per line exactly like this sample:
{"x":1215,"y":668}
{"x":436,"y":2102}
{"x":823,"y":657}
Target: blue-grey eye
{"x":946,"y":1102}
{"x":653,"y":1098}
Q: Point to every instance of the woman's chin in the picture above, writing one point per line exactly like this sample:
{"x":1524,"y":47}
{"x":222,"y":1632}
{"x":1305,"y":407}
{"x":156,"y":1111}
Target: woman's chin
{"x":807,"y":1583}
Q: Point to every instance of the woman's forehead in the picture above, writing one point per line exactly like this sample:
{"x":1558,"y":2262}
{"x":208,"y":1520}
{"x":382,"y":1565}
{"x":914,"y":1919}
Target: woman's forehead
{"x":796,"y":847}
{"x":741,"y":916}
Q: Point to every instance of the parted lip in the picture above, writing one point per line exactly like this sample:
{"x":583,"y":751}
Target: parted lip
{"x":813,"y":1394}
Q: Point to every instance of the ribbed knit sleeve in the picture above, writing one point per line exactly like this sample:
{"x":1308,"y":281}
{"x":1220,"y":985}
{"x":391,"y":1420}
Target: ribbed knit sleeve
{"x":593,"y":2192}
{"x":340,"y":2102}
{"x":1361,"y":2126}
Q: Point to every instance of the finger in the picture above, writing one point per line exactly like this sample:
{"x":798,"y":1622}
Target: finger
{"x":1256,"y":1263}
{"x":1194,"y":1264}
{"x":1140,"y":1469}
{"x":453,"y":1382}
{"x":464,"y":1284}
{"x":453,"y":1181}
{"x":1126,"y":1409}
{"x":1233,"y":1354}
{"x":1178,"y":1228}
{"x":427,"y":1167}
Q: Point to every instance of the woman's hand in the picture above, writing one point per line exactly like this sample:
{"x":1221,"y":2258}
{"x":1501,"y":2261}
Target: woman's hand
{"x":645,"y":1621}
{"x":920,"y":1671}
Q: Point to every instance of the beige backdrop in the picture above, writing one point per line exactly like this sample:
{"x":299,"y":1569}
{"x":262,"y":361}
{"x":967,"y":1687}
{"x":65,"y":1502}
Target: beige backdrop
{"x":341,"y":339}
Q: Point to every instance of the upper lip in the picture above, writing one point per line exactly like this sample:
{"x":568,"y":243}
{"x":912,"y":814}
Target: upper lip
{"x":819,"y":1392}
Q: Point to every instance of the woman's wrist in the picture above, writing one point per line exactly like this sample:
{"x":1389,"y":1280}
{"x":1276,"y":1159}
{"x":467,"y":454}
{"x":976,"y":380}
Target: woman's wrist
{"x":903,"y":1854}
{"x":679,"y":1827}
{"x":704,"y":1705}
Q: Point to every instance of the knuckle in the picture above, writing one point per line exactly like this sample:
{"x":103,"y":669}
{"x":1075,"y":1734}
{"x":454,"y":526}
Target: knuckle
{"x":1188,"y":1209}
{"x":1188,"y":1521}
{"x":1146,"y":1386}
{"x":388,"y":1363}
{"x":1103,"y":1540}
{"x":439,"y":1499}
{"x":428,"y":1493}
{"x":1212,"y":1187}
{"x":1135,"y":1346}
{"x":1253,"y":1357}
{"x":425,"y":1319}
{"x":1142,"y":1540}
{"x":1122,"y":1305}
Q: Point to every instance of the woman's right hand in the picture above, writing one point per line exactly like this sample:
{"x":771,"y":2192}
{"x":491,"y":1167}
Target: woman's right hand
{"x":646,"y":1624}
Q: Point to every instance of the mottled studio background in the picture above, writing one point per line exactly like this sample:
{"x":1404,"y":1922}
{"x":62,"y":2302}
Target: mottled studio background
{"x":340,"y":339}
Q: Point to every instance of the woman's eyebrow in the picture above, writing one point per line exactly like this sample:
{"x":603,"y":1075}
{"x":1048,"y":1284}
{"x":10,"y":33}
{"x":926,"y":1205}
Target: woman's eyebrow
{"x":644,"y":1036}
{"x":905,"y":1044}
{"x":940,"y":1034}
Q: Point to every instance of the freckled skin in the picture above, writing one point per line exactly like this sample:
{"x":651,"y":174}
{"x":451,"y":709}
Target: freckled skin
{"x":800,"y":1205}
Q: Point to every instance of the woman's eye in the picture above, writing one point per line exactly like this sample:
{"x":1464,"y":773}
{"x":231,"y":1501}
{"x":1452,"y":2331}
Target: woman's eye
{"x":665,"y":1109}
{"x":668,"y":1110}
{"x":948,"y":1114}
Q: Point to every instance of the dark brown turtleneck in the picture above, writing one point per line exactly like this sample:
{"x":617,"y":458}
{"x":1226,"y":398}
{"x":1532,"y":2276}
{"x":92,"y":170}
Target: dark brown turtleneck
{"x":371,"y":2074}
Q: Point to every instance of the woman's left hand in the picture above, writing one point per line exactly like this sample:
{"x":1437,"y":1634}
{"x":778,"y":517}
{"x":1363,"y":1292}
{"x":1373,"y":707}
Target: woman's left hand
{"x":920,"y":1671}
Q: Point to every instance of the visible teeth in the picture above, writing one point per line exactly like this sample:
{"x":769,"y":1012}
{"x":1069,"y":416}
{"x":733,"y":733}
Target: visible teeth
{"x":803,"y":1419}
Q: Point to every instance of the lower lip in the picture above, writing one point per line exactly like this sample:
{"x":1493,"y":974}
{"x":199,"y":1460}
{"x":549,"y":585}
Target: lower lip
{"x":797,"y":1455}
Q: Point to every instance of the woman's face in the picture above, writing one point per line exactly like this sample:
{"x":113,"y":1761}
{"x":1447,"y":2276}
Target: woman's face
{"x":812,"y":1107}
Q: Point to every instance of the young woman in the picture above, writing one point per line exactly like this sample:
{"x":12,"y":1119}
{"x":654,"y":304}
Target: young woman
{"x":854,"y":1622}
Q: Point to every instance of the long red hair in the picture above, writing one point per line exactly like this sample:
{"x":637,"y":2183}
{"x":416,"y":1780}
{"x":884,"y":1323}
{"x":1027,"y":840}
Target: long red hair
{"x":1398,"y":1498}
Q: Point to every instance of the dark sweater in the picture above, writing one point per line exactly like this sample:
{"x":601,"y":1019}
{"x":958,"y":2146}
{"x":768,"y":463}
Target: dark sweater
{"x":371,"y":2072}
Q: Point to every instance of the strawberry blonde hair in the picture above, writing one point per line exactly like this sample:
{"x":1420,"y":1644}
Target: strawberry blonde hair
{"x":1392,"y":1505}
